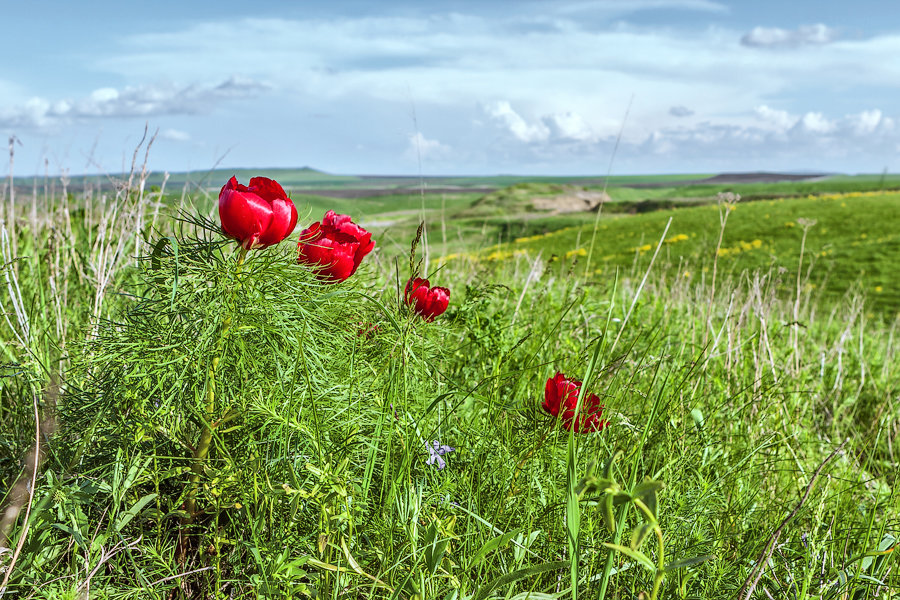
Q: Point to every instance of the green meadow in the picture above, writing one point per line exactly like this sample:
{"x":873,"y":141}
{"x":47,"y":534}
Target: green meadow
{"x":181,"y":422}
{"x":850,"y":243}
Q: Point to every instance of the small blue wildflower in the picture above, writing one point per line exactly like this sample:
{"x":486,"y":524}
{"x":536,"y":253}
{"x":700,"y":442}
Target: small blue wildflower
{"x":437,"y":450}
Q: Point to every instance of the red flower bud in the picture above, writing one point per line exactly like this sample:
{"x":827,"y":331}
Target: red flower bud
{"x":334,"y":247}
{"x":427,"y":301}
{"x":561,"y":396}
{"x":257,"y":215}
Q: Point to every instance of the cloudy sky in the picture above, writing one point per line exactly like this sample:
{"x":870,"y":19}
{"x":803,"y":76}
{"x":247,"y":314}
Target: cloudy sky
{"x":454,"y":86}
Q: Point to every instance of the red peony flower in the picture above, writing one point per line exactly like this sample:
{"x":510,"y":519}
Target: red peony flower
{"x":257,"y":215}
{"x":427,"y":301}
{"x":561,"y":396}
{"x":334,"y":247}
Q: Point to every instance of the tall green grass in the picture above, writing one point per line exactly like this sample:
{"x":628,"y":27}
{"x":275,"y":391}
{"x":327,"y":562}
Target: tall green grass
{"x":724,"y":404}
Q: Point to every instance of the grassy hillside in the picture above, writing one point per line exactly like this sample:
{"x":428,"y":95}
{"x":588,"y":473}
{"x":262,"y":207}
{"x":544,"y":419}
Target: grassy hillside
{"x":851,"y":242}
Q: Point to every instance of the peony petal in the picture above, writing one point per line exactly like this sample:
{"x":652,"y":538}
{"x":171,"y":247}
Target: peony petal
{"x":561,"y":394}
{"x":244,"y":215}
{"x":348,"y":242}
{"x":311,"y":233}
{"x":419,"y":297}
{"x":332,"y":218}
{"x":331,"y":261}
{"x":233,"y":184}
{"x":569,"y":393}
{"x":551,"y":397}
{"x":341,"y":266}
{"x":440,"y":300}
{"x":412,"y":285}
{"x":284,"y":219}
{"x":365,"y":246}
{"x":268,"y":189}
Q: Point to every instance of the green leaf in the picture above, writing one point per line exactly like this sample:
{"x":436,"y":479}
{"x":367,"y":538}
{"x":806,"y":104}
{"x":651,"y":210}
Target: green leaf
{"x":492,"y":545}
{"x":646,"y":491}
{"x":621,"y":498}
{"x":640,"y":534}
{"x":886,"y":546}
{"x":523,"y":542}
{"x":437,"y":401}
{"x":648,"y":486}
{"x":157,"y":253}
{"x":698,"y":418}
{"x":387,"y":313}
{"x":637,"y":555}
{"x":434,"y":548}
{"x":609,"y":517}
{"x":573,"y":511}
{"x":593,"y":484}
{"x":74,"y":533}
{"x":688,"y":562}
{"x":887,"y":543}
{"x":607,"y":468}
{"x":133,"y":511}
{"x":509,"y":578}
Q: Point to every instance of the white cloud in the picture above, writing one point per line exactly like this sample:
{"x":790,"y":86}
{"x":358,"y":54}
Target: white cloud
{"x":812,"y":124}
{"x":503,"y":112}
{"x":872,"y":121}
{"x":780,"y":119}
{"x":569,"y":126}
{"x":777,"y":135}
{"x":139,"y":101}
{"x":175,"y":135}
{"x":421,"y":148}
{"x":565,"y":127}
{"x":774,"y":37}
{"x":815,"y":122}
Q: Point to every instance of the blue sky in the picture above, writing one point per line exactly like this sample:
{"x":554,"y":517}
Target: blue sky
{"x":454,"y":87}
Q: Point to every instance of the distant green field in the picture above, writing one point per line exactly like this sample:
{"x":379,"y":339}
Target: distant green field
{"x":384,"y":208}
{"x":829,"y":185}
{"x":853,"y":245}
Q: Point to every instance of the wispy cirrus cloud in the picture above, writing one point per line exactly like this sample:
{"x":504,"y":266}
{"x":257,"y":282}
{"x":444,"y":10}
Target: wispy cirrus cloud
{"x":139,"y":101}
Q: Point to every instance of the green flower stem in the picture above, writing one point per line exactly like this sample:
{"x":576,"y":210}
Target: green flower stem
{"x":201,"y":452}
{"x":661,"y":567}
